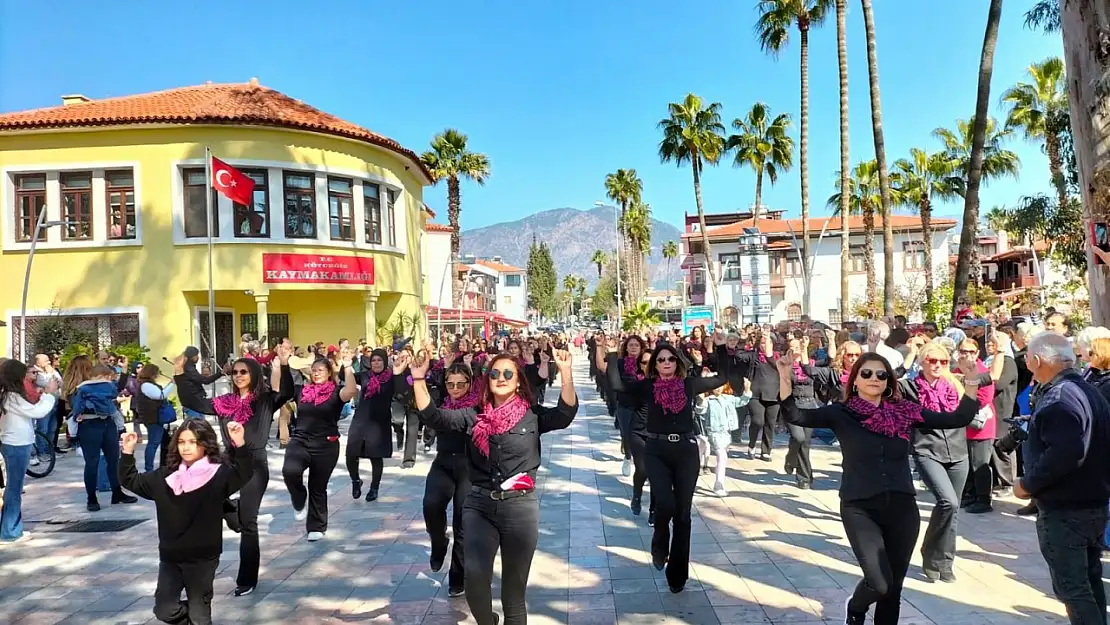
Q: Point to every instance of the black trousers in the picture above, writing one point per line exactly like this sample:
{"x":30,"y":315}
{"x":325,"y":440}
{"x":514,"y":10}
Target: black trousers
{"x":797,"y":455}
{"x":1003,"y":467}
{"x":196,"y":579}
{"x":408,"y":435}
{"x":1071,"y":544}
{"x":765,"y":416}
{"x":447,"y":483}
{"x":624,"y":425}
{"x":673,"y":473}
{"x":981,"y":478}
{"x":637,"y":443}
{"x":319,"y":459}
{"x":882,"y":531}
{"x":377,"y":466}
{"x":945,"y":480}
{"x":513,"y":526}
{"x":250,"y":500}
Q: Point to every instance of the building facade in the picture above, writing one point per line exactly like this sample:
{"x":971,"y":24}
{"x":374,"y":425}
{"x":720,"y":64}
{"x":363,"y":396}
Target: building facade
{"x":328,"y":248}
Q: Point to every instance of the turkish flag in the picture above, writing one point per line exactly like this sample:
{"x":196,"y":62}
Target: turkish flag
{"x":232,"y":182}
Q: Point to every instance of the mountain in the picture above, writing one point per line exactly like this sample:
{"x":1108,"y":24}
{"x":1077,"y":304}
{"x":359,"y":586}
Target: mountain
{"x":573,"y":235}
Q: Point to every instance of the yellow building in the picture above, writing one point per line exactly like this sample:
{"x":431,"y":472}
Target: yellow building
{"x":328,"y":249}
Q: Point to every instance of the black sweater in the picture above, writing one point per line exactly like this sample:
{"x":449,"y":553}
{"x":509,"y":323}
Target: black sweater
{"x":657,"y":420}
{"x":190,"y":389}
{"x":317,"y":423}
{"x":266,"y":403}
{"x":190,"y":525}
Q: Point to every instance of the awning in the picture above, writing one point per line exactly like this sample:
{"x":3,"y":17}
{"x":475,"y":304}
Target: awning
{"x":451,"y":315}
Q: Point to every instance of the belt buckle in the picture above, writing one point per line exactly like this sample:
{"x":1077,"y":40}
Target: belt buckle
{"x":497,"y":495}
{"x":674,"y":438}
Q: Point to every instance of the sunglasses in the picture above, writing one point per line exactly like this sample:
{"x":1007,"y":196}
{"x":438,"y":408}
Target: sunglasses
{"x":880,"y":374}
{"x":663,"y":359}
{"x":240,"y":372}
{"x":852,"y":354}
{"x":969,"y":352}
{"x":495,"y":374}
{"x":457,"y":385}
{"x":646,"y":361}
{"x":936,"y":361}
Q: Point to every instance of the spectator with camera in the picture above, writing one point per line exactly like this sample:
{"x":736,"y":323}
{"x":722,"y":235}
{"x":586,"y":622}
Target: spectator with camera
{"x":1066,"y":475}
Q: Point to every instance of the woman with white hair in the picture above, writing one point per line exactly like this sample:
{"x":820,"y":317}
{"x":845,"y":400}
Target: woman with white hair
{"x":1085,"y":339}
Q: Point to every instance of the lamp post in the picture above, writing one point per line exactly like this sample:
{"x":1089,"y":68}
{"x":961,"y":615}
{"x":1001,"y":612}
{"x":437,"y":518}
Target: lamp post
{"x":41,"y":225}
{"x":617,"y":232}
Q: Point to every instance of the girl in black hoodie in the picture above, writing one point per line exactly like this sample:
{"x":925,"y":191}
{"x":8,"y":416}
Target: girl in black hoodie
{"x":188,"y":494}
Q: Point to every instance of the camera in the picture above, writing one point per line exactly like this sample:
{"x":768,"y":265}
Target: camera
{"x":1013,"y":438}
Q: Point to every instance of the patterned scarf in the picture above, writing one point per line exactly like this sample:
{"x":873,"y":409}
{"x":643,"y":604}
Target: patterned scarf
{"x":939,"y":396}
{"x":844,"y":375}
{"x":493,"y":421}
{"x":630,"y":368}
{"x":891,"y":419}
{"x":799,"y":373}
{"x":375,"y":381}
{"x":234,"y":406}
{"x":670,"y":394}
{"x":763,"y":358}
{"x":317,"y":394}
{"x":466,"y":401}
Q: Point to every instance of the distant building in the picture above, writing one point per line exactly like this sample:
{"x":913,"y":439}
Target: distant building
{"x":494,"y":293}
{"x":1016,"y":273}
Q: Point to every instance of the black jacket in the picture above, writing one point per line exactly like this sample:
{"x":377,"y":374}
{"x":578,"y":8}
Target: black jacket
{"x":190,"y":388}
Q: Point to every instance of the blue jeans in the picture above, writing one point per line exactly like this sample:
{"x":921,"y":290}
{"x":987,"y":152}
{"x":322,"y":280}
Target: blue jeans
{"x":45,"y":426}
{"x":191,"y":414}
{"x":153,"y":440}
{"x":102,"y":483}
{"x":16,"y":458}
{"x":99,"y":436}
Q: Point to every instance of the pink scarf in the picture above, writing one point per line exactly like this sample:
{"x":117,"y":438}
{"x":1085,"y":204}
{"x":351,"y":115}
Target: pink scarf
{"x":763,"y":357}
{"x":630,"y":368}
{"x":317,"y":394}
{"x":670,"y":394}
{"x":940,"y":396}
{"x":466,"y":401}
{"x":891,"y":419}
{"x":799,"y":373}
{"x":493,"y":421}
{"x":234,"y":406}
{"x":187,"y":479}
{"x":375,"y":381}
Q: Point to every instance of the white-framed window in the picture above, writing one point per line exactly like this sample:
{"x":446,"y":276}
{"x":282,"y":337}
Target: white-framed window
{"x":30,"y":201}
{"x":341,"y":210}
{"x":196,"y":208}
{"x":254,"y":221}
{"x":391,"y":213}
{"x":372,"y":205}
{"x":77,"y":206}
{"x":119,"y":188}
{"x":513,"y":279}
{"x":300,"y":205}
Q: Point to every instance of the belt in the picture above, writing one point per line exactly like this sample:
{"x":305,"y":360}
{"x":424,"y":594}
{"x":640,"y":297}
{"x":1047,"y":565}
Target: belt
{"x":670,"y":438}
{"x":500,"y":495}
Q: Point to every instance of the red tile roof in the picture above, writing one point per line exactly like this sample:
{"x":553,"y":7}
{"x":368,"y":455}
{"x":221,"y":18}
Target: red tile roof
{"x":783,"y":226}
{"x":247,"y":104}
{"x":438,"y":228}
{"x":499,"y":267}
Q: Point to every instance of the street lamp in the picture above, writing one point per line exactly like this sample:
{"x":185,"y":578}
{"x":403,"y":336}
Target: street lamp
{"x":617,"y":232}
{"x":41,"y":225}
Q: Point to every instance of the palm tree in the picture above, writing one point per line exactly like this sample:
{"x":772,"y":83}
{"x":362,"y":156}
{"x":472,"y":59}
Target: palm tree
{"x":994,"y":162}
{"x":694,"y":134}
{"x":636,"y":225}
{"x":639,"y":318}
{"x":919,"y":180}
{"x":763,"y":145}
{"x":670,"y":252}
{"x":967,"y":262}
{"x":449,"y":159}
{"x":997,"y":219}
{"x":845,"y":234}
{"x":1033,"y":107}
{"x":773,"y":29}
{"x":573,"y":286}
{"x":625,"y":188}
{"x":600,"y":258}
{"x":880,"y":157}
{"x":1044,"y":16}
{"x":863,"y":199}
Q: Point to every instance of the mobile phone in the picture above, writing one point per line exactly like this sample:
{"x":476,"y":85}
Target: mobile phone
{"x":1100,"y":236}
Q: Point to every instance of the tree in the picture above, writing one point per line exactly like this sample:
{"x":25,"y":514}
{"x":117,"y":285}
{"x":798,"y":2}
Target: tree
{"x":773,"y":29}
{"x":639,"y":318}
{"x":694,"y":134}
{"x":880,"y":157}
{"x":1033,"y":107}
{"x":919,"y":180}
{"x":670,"y":252}
{"x":764,"y":145}
{"x":1044,"y":16}
{"x":967,"y":262}
{"x":636,"y":226}
{"x":542,"y":280}
{"x":450,"y":160}
{"x":625,"y":188}
{"x":845,"y":232}
{"x":600,"y":259}
{"x":863,"y":199}
{"x":575,"y":287}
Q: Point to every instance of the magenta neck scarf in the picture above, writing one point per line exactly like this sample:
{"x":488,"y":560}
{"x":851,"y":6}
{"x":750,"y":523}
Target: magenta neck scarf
{"x":375,"y":381}
{"x":493,"y":421}
{"x":799,"y":373}
{"x":891,"y":419}
{"x":466,"y":401}
{"x":670,"y":394}
{"x":234,"y":406}
{"x":317,"y":394}
{"x":187,"y":479}
{"x":939,"y":396}
{"x":630,"y":368}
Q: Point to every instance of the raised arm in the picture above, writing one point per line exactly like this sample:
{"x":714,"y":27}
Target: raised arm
{"x":563,"y":413}
{"x":435,"y":418}
{"x":129,"y":476}
{"x":350,"y":385}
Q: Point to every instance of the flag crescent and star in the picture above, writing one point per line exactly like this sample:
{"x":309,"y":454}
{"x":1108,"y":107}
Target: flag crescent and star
{"x":236,"y":185}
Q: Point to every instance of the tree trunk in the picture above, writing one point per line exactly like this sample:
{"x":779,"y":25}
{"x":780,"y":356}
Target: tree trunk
{"x":1056,"y":167}
{"x":926,"y":210}
{"x":803,"y":156}
{"x":758,"y":197}
{"x":845,"y":189}
{"x":880,"y":155}
{"x":1086,"y":26}
{"x":869,"y":257}
{"x":695,"y":165}
{"x":454,"y":207}
{"x":967,"y":263}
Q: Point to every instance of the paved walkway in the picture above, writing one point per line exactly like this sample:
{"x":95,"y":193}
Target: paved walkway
{"x":767,"y":554}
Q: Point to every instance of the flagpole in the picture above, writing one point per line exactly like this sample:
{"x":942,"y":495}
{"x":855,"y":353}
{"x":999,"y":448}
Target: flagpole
{"x":211,"y":291}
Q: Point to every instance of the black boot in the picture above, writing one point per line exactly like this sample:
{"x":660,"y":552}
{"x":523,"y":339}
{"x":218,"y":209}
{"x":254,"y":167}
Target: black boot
{"x":372,"y":494}
{"x":118,"y":496}
{"x":356,"y":489}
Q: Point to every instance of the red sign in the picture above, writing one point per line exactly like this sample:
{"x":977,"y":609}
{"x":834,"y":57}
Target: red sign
{"x":317,"y":269}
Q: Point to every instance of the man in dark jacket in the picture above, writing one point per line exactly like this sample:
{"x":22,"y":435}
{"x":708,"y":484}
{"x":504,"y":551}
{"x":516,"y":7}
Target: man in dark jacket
{"x":1067,"y":476}
{"x":190,"y":385}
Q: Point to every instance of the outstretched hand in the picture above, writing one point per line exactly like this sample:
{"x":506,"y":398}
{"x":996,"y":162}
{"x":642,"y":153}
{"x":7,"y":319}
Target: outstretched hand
{"x":418,"y":367}
{"x":400,"y":362}
{"x":128,"y":441}
{"x":563,"y":360}
{"x":785,"y":364}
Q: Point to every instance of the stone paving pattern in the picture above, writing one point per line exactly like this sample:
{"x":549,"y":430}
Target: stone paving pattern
{"x":769,"y":553}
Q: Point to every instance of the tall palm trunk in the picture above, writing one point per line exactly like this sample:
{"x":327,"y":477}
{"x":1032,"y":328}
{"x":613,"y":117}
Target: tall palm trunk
{"x":695,"y":166}
{"x":926,"y":210}
{"x":623,"y":250}
{"x":758,"y":196}
{"x":803,"y":27}
{"x":880,"y":156}
{"x":967,"y":263}
{"x":869,"y":256}
{"x":1056,"y":166}
{"x":1085,"y":24}
{"x":845,"y":189}
{"x":454,"y":207}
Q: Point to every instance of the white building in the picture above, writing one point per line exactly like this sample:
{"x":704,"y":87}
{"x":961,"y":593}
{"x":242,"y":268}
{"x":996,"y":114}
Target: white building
{"x":435,"y":251}
{"x":785,"y":266}
{"x":512,"y":286}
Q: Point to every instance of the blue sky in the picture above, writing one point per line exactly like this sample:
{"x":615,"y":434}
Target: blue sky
{"x":558,"y":93}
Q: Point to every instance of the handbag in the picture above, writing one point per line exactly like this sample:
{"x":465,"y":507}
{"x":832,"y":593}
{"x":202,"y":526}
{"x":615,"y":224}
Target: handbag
{"x":166,"y":413}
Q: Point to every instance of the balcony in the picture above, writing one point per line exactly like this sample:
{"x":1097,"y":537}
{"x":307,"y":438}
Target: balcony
{"x":1006,"y":283}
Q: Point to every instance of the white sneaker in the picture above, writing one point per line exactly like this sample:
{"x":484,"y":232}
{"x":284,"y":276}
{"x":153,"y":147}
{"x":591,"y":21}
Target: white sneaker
{"x":26,"y":536}
{"x":626,"y":468}
{"x":301,"y":514}
{"x":720,"y":490}
{"x":34,"y":461}
{"x":315,"y":536}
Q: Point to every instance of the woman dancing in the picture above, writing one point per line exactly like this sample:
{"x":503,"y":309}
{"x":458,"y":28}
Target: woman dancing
{"x":314,"y":444}
{"x":631,"y":367}
{"x":501,"y":510}
{"x":371,"y":432}
{"x":877,"y":498}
